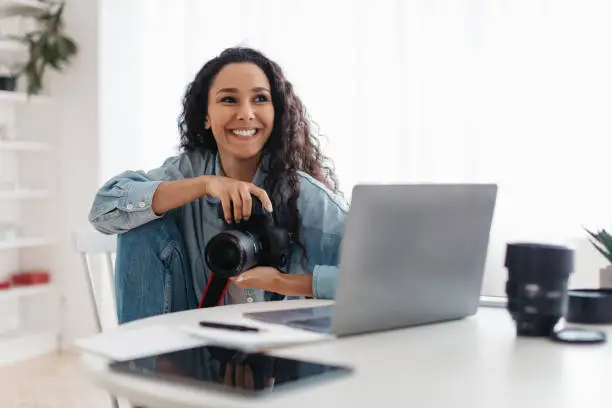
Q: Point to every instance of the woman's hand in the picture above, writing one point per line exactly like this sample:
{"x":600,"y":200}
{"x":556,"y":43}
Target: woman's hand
{"x":271,"y":279}
{"x":236,"y":195}
{"x":173,"y":194}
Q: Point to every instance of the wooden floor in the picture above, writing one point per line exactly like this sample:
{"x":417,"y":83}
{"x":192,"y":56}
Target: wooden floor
{"x":54,"y":381}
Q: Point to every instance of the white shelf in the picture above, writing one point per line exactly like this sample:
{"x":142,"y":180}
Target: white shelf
{"x":21,"y":97}
{"x":20,"y":346}
{"x":26,"y":8}
{"x":22,"y":291}
{"x":22,"y":145}
{"x":13,"y":51}
{"x":23,"y":194}
{"x":24,"y":243}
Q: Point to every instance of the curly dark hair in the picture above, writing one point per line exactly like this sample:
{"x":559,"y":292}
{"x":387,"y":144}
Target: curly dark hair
{"x":291,"y":147}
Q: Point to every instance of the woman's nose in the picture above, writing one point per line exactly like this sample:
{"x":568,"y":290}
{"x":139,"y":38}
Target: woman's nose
{"x":246,"y":112}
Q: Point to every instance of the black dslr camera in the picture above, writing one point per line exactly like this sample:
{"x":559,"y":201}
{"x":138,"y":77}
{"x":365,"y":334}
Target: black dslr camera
{"x":257,"y":241}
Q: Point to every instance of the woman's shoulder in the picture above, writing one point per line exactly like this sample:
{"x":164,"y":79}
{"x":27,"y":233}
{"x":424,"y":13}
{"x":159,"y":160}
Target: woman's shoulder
{"x":321,"y":207}
{"x":316,"y":193}
{"x":192,"y":163}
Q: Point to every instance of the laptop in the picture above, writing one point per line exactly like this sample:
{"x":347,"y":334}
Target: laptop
{"x":411,"y":255}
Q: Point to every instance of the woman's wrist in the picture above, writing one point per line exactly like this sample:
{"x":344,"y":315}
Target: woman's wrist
{"x":294,"y":285}
{"x":271,"y":279}
{"x":203,"y":182}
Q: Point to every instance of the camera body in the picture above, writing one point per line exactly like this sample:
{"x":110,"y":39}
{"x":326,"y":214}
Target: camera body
{"x":257,"y":241}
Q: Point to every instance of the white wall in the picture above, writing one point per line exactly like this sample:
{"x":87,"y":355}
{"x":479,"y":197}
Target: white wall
{"x":140,"y":88}
{"x":120,"y":36}
{"x":77,"y":94}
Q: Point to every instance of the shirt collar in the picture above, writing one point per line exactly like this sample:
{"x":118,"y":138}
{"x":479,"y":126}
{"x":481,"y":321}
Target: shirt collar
{"x":258,"y":179}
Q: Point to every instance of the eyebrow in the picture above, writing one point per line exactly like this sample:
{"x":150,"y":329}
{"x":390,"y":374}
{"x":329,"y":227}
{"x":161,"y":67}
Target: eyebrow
{"x":234,"y":90}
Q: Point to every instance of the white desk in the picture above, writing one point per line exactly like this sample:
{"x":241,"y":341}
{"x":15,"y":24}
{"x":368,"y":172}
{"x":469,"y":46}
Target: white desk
{"x":476,"y":362}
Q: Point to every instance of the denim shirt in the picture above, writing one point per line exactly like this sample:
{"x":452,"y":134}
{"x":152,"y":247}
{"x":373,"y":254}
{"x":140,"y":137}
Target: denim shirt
{"x":125,"y":202}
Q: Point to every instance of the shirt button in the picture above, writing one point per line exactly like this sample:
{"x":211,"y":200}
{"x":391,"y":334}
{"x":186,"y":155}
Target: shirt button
{"x":141,"y":204}
{"x":249,"y":299}
{"x":130,"y":207}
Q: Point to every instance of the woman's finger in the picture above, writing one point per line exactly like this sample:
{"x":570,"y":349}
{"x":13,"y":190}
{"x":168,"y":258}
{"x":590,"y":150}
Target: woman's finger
{"x":250,"y":279}
{"x":226,"y":203}
{"x":263,"y":197}
{"x":247,"y":201}
{"x":241,"y":280}
{"x":237,"y":205}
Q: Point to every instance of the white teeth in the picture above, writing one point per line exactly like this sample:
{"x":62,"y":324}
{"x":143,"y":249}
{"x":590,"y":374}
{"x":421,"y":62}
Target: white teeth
{"x":244,"y":132}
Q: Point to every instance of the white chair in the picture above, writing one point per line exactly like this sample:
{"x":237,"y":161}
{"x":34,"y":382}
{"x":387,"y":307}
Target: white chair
{"x":92,"y":245}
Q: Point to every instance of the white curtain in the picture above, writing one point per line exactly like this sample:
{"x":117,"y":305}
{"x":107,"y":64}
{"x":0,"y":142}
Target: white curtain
{"x":516,"y":92}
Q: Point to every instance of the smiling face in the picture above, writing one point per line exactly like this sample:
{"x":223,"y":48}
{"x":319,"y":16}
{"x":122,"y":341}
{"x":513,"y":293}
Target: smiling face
{"x":240,"y":111}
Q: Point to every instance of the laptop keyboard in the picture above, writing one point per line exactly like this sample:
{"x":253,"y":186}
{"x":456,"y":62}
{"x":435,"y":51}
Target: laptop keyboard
{"x":311,"y":318}
{"x":318,"y":324}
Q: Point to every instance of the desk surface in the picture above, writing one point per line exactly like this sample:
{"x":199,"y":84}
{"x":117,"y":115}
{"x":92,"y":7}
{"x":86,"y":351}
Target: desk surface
{"x":475,"y":362}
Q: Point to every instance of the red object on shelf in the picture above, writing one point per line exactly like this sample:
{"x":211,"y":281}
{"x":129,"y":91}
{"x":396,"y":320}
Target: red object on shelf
{"x":30,"y":278}
{"x":5,"y":285}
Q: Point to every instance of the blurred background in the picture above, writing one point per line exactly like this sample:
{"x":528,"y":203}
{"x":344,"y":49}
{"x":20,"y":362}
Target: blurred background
{"x":517,"y":93}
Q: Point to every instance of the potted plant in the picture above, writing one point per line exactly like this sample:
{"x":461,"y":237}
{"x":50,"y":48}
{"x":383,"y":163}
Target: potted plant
{"x":48,"y":46}
{"x":602,"y":241}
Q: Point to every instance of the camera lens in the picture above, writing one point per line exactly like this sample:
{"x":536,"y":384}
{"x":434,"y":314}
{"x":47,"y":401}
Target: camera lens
{"x":537,"y":284}
{"x":225,"y":256}
{"x":231,"y":252}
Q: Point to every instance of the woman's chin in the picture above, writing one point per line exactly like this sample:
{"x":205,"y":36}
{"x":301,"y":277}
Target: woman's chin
{"x":245,"y":152}
{"x":245,"y":147}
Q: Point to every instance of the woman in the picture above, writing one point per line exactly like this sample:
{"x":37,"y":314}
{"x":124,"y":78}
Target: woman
{"x":244,"y":134}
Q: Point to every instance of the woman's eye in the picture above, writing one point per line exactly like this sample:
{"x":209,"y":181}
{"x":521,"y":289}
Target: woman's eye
{"x":228,"y":99}
{"x":261,"y":98}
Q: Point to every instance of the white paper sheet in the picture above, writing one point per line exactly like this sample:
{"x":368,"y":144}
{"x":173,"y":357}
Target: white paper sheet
{"x":269,"y":336}
{"x":141,"y":342}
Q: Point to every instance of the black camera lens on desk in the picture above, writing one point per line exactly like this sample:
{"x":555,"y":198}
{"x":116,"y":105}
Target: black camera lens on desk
{"x":537,"y":284}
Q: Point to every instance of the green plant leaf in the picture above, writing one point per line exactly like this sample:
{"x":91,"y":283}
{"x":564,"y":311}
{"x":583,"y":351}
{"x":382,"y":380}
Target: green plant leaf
{"x":37,"y":50}
{"x":606,"y":240}
{"x":57,"y":17}
{"x":66,"y":47}
{"x":51,"y":55}
{"x":607,"y":255}
{"x":592,"y":234}
{"x":602,"y":242}
{"x":599,"y":236}
{"x":34,"y":80}
{"x":48,"y":47}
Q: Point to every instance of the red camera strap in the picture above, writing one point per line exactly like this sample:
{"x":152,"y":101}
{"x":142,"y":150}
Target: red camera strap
{"x":213,"y":292}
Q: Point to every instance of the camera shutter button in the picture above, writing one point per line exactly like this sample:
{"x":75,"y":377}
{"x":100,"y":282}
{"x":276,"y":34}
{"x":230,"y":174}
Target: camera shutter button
{"x":249,"y":299}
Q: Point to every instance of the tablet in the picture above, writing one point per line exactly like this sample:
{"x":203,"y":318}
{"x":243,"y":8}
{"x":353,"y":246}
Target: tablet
{"x":230,"y":370}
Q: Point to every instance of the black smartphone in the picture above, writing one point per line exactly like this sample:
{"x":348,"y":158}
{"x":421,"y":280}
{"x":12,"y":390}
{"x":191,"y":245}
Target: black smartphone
{"x":224,"y":326}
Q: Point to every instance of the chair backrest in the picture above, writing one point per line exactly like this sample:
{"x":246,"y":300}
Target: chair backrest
{"x":93,"y":243}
